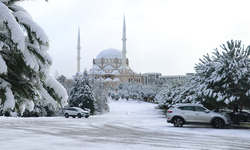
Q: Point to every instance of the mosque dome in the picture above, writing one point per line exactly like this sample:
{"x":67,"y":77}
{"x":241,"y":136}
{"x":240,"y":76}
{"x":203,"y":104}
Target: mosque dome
{"x":109,"y":54}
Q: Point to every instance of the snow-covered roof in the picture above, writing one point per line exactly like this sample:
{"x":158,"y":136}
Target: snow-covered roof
{"x":101,"y":72}
{"x":109,"y":67}
{"x":109,"y":53}
{"x":122,"y":68}
{"x":116,"y":79}
{"x":115,"y":72}
{"x":108,"y":79}
{"x":95,"y":67}
{"x":135,"y":72}
{"x":94,"y":72}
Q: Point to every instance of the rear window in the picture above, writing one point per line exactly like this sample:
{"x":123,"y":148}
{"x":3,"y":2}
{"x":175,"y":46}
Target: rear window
{"x":172,"y":107}
{"x":191,"y":108}
{"x":200,"y":109}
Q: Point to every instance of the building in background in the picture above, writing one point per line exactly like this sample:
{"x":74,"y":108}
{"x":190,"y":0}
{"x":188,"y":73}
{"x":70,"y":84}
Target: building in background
{"x":151,"y":78}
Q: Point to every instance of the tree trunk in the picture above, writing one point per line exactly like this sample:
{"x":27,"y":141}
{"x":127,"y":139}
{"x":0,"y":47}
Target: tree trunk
{"x":236,"y":118}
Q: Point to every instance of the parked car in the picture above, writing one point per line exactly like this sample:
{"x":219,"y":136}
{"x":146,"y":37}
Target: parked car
{"x":181,"y":114}
{"x":244,"y":116}
{"x":76,"y":111}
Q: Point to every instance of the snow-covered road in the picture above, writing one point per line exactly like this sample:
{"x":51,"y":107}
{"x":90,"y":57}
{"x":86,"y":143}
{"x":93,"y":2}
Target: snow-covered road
{"x":129,"y":125}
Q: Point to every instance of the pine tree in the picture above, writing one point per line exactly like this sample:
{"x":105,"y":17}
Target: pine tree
{"x":81,"y":94}
{"x":172,"y":93}
{"x":24,"y":61}
{"x":100,"y":95}
{"x":224,"y":78}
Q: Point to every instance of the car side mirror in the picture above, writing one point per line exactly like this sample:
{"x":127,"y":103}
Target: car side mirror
{"x":207,"y":111}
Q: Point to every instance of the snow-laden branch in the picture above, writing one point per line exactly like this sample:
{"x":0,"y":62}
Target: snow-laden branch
{"x":16,"y":34}
{"x":24,"y":18}
{"x":3,"y":66}
{"x":59,"y":89}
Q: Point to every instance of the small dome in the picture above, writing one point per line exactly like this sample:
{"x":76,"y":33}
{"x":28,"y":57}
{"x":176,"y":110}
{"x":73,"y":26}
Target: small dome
{"x":116,"y":72}
{"x":108,"y":79}
{"x":95,"y":67}
{"x":94,"y":72}
{"x":109,"y":53}
{"x":109,"y":67}
{"x":101,"y":72}
{"x":116,"y":79}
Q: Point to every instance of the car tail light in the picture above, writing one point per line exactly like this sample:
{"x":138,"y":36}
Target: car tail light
{"x":170,"y":111}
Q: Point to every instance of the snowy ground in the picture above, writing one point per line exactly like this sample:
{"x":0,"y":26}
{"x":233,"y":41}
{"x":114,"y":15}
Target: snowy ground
{"x":129,"y":125}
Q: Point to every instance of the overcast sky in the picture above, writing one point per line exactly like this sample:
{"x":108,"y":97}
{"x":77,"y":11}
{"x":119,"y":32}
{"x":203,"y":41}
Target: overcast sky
{"x":165,"y":36}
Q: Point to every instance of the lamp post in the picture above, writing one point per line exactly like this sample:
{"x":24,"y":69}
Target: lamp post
{"x":100,"y":89}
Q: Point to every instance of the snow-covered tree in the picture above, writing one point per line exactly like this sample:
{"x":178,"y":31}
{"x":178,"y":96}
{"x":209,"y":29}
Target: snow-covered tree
{"x":172,"y":92}
{"x":148,"y":92}
{"x":81,"y":94}
{"x":137,"y":91}
{"x":100,"y":95}
{"x":66,"y":83}
{"x":224,"y":77}
{"x":24,"y":61}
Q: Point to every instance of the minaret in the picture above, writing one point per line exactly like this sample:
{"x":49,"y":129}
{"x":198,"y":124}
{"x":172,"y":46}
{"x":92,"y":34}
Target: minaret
{"x":124,"y":46}
{"x":78,"y":51}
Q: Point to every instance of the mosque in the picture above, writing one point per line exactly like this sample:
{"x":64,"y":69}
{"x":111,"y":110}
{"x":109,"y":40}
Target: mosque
{"x":112,"y":64}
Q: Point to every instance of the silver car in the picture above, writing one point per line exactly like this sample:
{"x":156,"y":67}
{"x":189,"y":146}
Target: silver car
{"x":76,"y":111}
{"x":180,"y":114}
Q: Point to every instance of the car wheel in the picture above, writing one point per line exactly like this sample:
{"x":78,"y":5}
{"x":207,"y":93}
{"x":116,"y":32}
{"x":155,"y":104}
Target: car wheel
{"x":178,"y":122}
{"x":66,"y":115}
{"x":218,"y":123}
{"x":79,"y":115}
{"x":86,"y":116}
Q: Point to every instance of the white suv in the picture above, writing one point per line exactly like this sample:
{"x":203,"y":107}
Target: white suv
{"x":76,"y":111}
{"x":180,"y":114}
